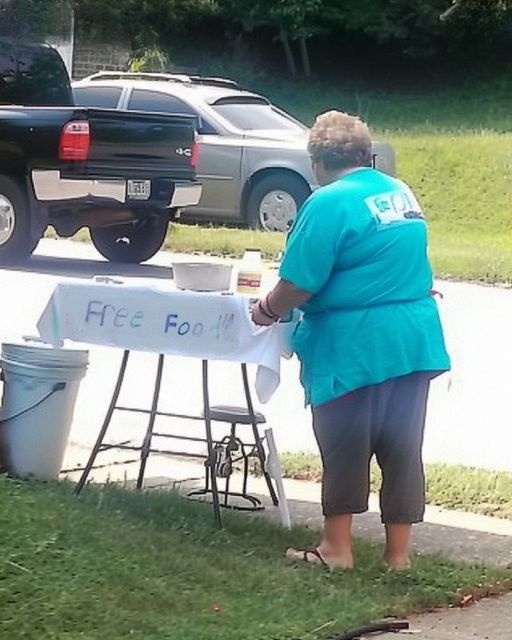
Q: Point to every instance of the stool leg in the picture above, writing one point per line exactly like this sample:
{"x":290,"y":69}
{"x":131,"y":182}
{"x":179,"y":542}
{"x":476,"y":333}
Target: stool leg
{"x":226,"y":490}
{"x":146,"y":447}
{"x":257,"y":439}
{"x":105,"y":425}
{"x":246,"y":473}
{"x":209,"y":441}
{"x":228,"y":478}
{"x":207,"y":476}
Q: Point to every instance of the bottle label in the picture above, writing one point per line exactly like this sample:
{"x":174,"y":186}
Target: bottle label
{"x":248,"y":282}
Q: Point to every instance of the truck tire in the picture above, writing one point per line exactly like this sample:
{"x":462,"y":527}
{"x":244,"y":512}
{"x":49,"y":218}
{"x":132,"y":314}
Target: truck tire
{"x":16,"y":243}
{"x":274,"y":200}
{"x":133,"y":243}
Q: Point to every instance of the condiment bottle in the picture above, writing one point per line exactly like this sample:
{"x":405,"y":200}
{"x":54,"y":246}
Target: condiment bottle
{"x":249,"y":273}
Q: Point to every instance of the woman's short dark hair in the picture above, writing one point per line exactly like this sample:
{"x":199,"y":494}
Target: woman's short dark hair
{"x":340,"y":141}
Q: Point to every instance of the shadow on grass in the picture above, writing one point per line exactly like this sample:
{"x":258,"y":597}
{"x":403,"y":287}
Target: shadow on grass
{"x":80,"y":268}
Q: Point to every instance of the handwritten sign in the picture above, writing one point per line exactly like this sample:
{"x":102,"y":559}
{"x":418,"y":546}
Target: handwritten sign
{"x":141,"y":318}
{"x":102,"y":314}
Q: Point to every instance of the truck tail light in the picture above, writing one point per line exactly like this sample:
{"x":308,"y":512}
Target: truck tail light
{"x":75,"y":141}
{"x":194,"y":157}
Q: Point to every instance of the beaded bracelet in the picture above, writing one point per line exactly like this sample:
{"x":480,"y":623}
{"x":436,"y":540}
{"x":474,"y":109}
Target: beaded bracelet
{"x":266,"y":313}
{"x":269,"y":308}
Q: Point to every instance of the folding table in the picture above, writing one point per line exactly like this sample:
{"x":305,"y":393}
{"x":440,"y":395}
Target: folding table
{"x":153,"y":317}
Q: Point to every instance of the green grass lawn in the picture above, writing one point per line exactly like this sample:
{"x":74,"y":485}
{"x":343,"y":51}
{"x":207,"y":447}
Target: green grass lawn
{"x":115,"y":564}
{"x":464,"y":182}
{"x":222,"y":240}
{"x":475,"y":105}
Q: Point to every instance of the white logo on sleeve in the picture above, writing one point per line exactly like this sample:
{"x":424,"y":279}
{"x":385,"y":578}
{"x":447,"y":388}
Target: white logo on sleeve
{"x":395,"y":206}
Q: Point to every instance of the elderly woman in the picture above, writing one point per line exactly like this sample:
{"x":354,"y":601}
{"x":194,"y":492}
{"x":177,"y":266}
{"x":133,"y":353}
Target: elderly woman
{"x":370,"y":339}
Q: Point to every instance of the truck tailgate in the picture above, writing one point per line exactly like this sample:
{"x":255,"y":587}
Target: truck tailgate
{"x":134,"y":144}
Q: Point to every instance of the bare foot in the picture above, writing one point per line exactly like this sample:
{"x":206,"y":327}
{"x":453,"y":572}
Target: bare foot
{"x":320,"y":557}
{"x":396,"y":551}
{"x":338,"y":560}
{"x":397,"y":563}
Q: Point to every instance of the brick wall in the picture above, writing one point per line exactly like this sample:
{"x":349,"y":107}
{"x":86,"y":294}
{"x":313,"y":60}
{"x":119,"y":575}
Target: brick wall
{"x":90,"y":57}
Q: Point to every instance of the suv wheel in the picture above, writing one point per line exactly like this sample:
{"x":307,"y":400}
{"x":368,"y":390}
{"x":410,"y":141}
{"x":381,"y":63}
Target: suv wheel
{"x":135,"y":242}
{"x":15,"y":241}
{"x":274,"y":201}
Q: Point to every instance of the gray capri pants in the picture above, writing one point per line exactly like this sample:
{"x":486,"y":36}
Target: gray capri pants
{"x":387,"y":420}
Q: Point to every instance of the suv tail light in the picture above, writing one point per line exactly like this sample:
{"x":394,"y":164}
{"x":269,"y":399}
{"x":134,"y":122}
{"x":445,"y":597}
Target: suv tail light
{"x":75,"y":141}
{"x":194,"y":157}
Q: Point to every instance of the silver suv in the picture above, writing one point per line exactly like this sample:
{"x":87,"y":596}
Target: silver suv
{"x":253,"y":163}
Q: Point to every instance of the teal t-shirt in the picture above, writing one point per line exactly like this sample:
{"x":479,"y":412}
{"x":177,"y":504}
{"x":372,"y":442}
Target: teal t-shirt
{"x":359,"y":245}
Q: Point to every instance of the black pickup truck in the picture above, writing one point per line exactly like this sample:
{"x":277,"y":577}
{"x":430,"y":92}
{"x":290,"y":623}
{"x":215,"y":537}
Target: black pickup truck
{"x":123,"y":175}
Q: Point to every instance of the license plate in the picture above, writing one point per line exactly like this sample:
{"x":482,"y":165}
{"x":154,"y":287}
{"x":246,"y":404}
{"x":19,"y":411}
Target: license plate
{"x":139,"y":189}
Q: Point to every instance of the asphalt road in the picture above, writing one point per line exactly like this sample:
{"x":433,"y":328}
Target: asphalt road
{"x":470,"y":412}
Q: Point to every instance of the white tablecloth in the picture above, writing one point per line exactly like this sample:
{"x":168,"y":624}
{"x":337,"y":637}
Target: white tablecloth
{"x":156,"y":318}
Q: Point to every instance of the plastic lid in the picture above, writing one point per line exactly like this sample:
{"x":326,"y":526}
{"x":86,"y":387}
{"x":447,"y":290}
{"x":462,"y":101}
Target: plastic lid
{"x":45,"y":355}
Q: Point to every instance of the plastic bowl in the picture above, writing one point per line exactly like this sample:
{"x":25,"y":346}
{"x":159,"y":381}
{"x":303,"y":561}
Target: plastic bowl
{"x":202,"y":276}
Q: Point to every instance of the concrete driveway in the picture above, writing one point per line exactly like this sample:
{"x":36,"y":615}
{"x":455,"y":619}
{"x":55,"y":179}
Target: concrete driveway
{"x":470,"y":413}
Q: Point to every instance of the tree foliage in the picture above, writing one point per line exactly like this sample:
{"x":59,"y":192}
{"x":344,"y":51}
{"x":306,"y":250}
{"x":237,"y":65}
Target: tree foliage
{"x":483,"y":21}
{"x":416,"y":29}
{"x":142,"y":22}
{"x":34,"y":19}
{"x":289,"y":20}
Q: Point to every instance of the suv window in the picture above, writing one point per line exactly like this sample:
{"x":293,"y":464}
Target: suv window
{"x":255,"y":116}
{"x":99,"y":97}
{"x":144,"y":100}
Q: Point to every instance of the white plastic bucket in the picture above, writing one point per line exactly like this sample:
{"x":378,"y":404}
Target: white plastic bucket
{"x":40,"y":389}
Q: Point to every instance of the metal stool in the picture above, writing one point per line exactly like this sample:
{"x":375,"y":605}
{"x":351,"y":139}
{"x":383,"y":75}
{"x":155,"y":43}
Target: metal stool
{"x":220,"y":456}
{"x":230,"y":450}
{"x":146,"y":448}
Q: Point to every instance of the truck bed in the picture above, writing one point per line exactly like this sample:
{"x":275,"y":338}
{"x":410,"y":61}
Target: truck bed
{"x":122,"y":143}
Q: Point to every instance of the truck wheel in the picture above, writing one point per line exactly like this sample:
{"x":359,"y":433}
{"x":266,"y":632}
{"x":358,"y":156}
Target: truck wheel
{"x":134,"y":242}
{"x":16,"y":243}
{"x":274,"y":201}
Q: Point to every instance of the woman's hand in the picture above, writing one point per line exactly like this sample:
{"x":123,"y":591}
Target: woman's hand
{"x":283,"y":297}
{"x":259,"y":317}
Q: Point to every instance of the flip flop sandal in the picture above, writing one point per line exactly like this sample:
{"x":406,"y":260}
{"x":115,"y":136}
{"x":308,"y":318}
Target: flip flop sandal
{"x":305,"y":556}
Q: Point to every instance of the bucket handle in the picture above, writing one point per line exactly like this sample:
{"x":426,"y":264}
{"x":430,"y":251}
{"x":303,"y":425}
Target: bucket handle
{"x":58,"y":386}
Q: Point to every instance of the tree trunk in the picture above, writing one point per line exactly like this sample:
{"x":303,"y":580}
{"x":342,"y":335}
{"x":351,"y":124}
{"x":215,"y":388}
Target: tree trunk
{"x":304,"y":54}
{"x":238,"y":43}
{"x":290,"y":60}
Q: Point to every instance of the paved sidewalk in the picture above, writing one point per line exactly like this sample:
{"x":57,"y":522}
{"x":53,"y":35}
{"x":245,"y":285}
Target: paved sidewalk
{"x":461,"y":536}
